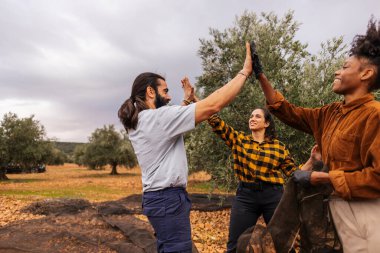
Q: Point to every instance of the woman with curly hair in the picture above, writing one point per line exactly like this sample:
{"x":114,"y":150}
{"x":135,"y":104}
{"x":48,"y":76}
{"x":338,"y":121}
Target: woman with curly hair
{"x":348,"y":135}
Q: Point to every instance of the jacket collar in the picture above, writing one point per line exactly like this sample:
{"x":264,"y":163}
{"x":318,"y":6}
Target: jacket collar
{"x":346,"y":108}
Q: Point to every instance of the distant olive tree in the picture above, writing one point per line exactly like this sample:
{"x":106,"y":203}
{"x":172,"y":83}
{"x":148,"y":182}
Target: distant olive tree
{"x":303,"y":78}
{"x":23,"y":143}
{"x":128,"y":151}
{"x":57,"y":156}
{"x":106,"y":147}
{"x":79,"y":152}
{"x":3,"y":156}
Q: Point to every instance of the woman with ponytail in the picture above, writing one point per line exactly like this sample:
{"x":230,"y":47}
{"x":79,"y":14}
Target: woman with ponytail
{"x":259,"y":162}
{"x":156,"y":132}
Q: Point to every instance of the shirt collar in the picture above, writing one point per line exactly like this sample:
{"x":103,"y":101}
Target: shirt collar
{"x":346,"y":108}
{"x":266,"y":140}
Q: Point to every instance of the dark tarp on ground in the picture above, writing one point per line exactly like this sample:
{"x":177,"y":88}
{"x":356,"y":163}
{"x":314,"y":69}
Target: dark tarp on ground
{"x":76,"y":225}
{"x":303,"y":211}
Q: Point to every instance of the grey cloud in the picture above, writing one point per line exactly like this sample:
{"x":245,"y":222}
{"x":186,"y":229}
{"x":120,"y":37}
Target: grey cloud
{"x":82,"y":56}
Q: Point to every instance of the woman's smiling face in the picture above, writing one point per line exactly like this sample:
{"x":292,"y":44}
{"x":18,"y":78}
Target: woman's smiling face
{"x":348,"y":78}
{"x":257,"y":121}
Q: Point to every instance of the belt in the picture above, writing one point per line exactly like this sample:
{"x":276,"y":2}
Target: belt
{"x":165,"y":191}
{"x":258,"y":185}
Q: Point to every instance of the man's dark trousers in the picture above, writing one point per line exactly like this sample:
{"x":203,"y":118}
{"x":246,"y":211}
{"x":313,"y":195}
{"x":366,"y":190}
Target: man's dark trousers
{"x":168,"y":212}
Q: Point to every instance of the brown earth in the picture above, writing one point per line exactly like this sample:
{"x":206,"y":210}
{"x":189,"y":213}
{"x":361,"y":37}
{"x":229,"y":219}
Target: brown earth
{"x":209,"y":229}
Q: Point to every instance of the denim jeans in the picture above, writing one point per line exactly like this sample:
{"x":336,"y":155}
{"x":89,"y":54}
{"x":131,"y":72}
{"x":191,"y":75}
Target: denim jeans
{"x":248,"y":206}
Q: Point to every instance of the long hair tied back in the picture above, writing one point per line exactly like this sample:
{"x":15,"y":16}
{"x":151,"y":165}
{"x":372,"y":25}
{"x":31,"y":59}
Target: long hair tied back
{"x":368,"y":47}
{"x":130,"y":109}
{"x":270,"y":132}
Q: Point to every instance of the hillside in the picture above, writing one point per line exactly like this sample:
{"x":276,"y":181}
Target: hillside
{"x":67,"y":147}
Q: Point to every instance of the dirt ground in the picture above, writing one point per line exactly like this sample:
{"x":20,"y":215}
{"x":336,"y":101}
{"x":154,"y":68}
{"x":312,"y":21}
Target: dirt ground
{"x":209,"y":229}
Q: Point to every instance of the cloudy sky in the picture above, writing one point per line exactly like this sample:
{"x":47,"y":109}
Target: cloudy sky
{"x":71,"y":63}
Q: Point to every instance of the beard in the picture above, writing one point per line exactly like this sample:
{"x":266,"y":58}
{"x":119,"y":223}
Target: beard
{"x":160,"y":101}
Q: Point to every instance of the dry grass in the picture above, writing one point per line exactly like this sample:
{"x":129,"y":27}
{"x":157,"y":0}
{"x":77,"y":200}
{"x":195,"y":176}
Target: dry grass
{"x":73,"y":181}
{"x":209,"y":229}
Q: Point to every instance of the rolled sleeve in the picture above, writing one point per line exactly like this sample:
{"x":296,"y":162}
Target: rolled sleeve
{"x":224,"y":131}
{"x":340,"y":185}
{"x":288,"y":166}
{"x":214,"y":121}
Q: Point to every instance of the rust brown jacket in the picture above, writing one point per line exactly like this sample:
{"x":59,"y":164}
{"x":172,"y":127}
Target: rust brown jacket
{"x":349,"y":138}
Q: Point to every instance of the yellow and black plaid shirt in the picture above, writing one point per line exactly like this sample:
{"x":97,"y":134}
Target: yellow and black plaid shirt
{"x":255,"y":161}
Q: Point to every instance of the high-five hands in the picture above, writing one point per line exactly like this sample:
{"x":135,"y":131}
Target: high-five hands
{"x":247,"y":67}
{"x":257,"y":67}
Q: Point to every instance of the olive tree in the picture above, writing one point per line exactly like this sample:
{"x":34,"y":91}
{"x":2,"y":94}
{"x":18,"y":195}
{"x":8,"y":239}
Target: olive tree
{"x":3,"y":156}
{"x":23,"y":142}
{"x":302,"y":77}
{"x":106,"y":147}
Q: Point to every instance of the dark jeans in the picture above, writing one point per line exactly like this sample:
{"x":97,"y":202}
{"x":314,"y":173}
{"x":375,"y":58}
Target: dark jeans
{"x":168,"y":212}
{"x":249,"y":204}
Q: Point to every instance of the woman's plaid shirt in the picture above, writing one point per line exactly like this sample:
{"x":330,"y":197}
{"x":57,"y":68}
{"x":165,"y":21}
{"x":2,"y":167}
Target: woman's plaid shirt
{"x":255,"y":161}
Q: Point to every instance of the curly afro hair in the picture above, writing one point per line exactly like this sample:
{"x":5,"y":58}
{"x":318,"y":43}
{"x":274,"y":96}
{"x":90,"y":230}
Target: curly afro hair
{"x":368,"y":47}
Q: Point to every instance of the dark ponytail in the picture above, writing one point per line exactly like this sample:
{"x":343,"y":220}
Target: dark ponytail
{"x":130,"y":109}
{"x":270,"y":131}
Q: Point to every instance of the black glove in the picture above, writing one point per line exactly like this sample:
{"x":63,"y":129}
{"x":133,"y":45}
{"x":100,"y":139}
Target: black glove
{"x":256,"y":64}
{"x":302,"y":177}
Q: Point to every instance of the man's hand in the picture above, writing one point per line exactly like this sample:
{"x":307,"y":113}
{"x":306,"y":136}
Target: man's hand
{"x":247,"y":67}
{"x":188,"y":90}
{"x":257,"y":67}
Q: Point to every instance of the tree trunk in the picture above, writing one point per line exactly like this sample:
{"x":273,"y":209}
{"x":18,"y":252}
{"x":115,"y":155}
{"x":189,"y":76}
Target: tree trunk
{"x":114,"y":169}
{"x":3,"y":175}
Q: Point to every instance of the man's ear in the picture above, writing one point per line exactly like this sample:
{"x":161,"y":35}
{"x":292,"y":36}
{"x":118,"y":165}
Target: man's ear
{"x":150,"y":92}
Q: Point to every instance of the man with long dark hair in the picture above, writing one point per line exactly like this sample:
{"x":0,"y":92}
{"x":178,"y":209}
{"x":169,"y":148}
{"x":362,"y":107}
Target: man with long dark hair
{"x":156,"y":132}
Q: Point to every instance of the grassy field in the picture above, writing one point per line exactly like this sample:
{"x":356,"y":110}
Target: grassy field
{"x":209,"y":229}
{"x":72,"y":181}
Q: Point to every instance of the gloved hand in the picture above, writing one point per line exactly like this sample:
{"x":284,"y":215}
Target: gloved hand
{"x":302,"y":177}
{"x":257,"y":67}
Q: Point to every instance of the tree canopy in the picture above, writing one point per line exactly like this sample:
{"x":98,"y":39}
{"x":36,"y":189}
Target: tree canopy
{"x":304,"y":78}
{"x":23,"y":143}
{"x":106,"y":147}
